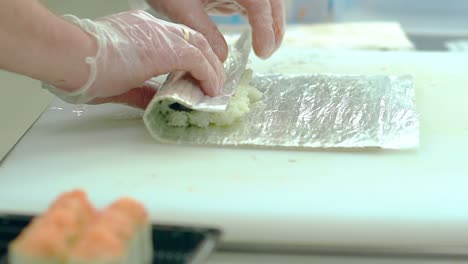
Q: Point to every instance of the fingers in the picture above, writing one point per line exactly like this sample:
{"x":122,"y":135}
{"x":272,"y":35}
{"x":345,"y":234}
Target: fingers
{"x":166,"y":47}
{"x":200,"y":21}
{"x":193,"y":61}
{"x":279,"y":21}
{"x":259,"y":13}
{"x":193,"y":15}
{"x":226,"y":7}
{"x":196,"y":57}
{"x":267,"y":18}
{"x":200,"y":42}
{"x":137,"y":97}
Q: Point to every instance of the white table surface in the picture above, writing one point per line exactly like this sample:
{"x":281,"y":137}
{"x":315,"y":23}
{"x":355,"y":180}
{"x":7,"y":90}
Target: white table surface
{"x":395,"y":200}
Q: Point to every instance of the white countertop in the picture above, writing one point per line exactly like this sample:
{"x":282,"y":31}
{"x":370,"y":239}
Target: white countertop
{"x":405,"y":200}
{"x":264,"y":258}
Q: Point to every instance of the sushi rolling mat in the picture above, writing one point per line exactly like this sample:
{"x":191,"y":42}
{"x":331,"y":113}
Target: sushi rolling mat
{"x":402,"y":200}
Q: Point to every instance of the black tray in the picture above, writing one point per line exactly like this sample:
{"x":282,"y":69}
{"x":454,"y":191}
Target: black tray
{"x":173,"y":244}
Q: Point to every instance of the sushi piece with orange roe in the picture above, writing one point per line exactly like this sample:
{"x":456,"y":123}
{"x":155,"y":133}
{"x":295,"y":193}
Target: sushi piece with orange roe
{"x":72,"y":231}
{"x":50,"y":238}
{"x":120,"y":234}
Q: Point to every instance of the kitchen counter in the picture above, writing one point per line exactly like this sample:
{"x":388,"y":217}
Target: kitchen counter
{"x":399,"y":201}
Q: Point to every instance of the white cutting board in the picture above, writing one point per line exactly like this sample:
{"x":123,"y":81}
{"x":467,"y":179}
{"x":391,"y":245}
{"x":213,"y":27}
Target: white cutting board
{"x":377,"y":199}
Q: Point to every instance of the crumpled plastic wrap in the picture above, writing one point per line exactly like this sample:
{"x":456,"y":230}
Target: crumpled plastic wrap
{"x":298,"y":111}
{"x":316,"y":111}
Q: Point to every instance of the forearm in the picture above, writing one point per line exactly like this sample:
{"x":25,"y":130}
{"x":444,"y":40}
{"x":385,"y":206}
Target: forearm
{"x":41,"y":45}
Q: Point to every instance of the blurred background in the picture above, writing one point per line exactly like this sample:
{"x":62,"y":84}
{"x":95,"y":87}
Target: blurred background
{"x":429,"y":24}
{"x":422,"y":16}
{"x":416,"y":16}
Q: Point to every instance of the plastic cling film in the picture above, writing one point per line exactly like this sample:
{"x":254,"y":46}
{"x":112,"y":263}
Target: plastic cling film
{"x":314,"y":111}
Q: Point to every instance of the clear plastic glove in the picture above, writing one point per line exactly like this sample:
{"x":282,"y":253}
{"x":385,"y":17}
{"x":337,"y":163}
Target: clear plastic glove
{"x":133,"y":47}
{"x":266,"y":17}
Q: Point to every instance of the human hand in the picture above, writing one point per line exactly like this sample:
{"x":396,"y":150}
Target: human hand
{"x":133,"y":47}
{"x":266,"y":17}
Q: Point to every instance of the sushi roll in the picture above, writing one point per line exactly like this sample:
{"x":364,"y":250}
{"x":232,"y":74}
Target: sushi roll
{"x":140,"y":222}
{"x":49,"y":238}
{"x":120,"y":234}
{"x":71,"y":231}
{"x":177,"y":115}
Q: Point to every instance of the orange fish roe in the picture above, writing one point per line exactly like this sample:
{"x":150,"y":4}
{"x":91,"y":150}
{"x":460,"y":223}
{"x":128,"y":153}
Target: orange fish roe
{"x":56,"y":232}
{"x":72,"y":231}
{"x":131,"y":208}
{"x":118,"y":222}
{"x":99,"y":242}
{"x":44,"y":242}
{"x":111,"y":230}
{"x":76,"y":201}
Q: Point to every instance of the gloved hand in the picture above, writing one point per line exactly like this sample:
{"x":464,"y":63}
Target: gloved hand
{"x":266,"y":17}
{"x":133,"y":47}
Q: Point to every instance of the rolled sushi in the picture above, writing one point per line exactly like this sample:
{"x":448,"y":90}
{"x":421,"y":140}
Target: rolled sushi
{"x":72,"y":231}
{"x":50,"y":237}
{"x":120,"y":234}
